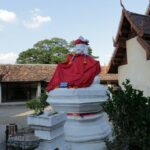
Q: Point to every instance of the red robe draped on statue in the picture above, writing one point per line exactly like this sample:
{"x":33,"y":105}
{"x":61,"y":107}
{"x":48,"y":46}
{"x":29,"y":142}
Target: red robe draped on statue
{"x":78,"y":72}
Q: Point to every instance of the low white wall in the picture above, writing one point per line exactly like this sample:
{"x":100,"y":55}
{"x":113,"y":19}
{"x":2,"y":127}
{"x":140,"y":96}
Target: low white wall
{"x":138,"y":68}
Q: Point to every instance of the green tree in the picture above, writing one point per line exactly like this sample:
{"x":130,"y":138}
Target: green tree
{"x":45,"y":52}
{"x":71,"y":45}
{"x":38,"y":104}
{"x":59,"y":54}
{"x":34,"y":56}
{"x":90,"y":51}
{"x":49,"y":44}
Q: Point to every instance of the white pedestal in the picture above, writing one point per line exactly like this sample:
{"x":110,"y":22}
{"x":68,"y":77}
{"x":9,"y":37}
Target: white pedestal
{"x":59,"y":143}
{"x":87,"y":132}
{"x":50,"y":129}
{"x":81,"y":100}
{"x":86,"y":127}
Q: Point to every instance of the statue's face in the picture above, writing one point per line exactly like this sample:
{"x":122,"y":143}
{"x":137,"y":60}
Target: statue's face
{"x":81,"y":48}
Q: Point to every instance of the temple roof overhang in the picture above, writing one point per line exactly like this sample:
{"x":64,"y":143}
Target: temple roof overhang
{"x":148,"y":9}
{"x":131,"y":25}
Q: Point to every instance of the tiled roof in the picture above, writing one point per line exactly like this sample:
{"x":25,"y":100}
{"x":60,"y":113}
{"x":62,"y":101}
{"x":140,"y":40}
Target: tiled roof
{"x":37,"y":72}
{"x":26,"y":72}
{"x":141,"y":22}
{"x":104,"y":76}
{"x":131,"y":25}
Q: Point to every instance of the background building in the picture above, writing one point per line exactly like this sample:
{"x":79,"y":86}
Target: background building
{"x":131,"y":58}
{"x":22,"y":82}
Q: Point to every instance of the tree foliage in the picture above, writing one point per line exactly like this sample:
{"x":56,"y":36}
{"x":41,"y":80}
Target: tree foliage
{"x":34,"y":56}
{"x":38,"y":104}
{"x":49,"y":44}
{"x":129,"y":112}
{"x":49,"y":51}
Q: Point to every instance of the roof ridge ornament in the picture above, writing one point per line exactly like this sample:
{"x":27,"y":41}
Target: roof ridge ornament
{"x":114,"y":41}
{"x":121,"y":3}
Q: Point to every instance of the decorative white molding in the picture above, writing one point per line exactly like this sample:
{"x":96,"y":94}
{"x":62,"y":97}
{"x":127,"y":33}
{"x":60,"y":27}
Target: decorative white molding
{"x":50,"y":129}
{"x":81,"y":100}
{"x":59,"y":143}
{"x":87,"y":128}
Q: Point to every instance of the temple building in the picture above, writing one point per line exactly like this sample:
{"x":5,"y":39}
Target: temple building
{"x":131,"y":57}
{"x":19,"y":83}
{"x":22,"y":82}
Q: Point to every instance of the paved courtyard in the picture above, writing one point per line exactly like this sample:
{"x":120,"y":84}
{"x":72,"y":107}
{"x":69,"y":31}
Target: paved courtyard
{"x":12,"y":114}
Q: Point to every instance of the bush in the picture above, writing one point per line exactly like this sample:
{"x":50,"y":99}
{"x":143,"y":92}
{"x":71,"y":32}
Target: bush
{"x":38,"y":104}
{"x":129,"y":112}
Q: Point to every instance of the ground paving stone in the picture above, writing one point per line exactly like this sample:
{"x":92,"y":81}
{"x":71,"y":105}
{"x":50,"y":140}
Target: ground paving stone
{"x":12,"y":114}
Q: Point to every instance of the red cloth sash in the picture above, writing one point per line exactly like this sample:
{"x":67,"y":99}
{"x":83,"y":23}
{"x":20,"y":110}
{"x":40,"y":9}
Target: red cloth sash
{"x":78,"y":72}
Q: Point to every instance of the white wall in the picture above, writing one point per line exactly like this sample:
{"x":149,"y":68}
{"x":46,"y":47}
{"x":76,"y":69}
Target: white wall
{"x":138,"y":67}
{"x":38,"y":91}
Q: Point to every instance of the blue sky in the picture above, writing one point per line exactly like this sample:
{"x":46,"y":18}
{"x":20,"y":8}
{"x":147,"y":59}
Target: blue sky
{"x":23,"y":23}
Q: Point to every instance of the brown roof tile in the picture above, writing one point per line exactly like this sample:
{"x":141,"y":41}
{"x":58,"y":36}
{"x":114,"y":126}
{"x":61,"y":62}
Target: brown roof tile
{"x":141,"y":22}
{"x":26,"y":72}
{"x":38,"y":72}
{"x":104,"y":76}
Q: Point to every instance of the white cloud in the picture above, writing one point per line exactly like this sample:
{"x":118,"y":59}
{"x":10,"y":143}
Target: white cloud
{"x":7,"y":16}
{"x":37,"y":20}
{"x":35,"y":11}
{"x":8,"y":58}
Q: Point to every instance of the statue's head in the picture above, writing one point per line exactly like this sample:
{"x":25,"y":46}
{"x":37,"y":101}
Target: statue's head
{"x":81,"y":45}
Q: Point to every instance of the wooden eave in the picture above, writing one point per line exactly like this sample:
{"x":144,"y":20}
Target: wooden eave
{"x":133,"y":25}
{"x":116,"y":59}
{"x":119,"y":29}
{"x":119,"y":44}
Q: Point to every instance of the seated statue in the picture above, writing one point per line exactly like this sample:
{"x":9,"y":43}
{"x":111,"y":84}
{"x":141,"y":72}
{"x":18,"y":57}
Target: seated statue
{"x":78,"y":71}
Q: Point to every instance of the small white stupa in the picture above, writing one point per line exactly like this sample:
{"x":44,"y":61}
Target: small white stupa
{"x":86,"y":126}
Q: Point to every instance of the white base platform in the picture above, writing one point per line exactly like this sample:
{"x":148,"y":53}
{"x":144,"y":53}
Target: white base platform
{"x":87,"y":133}
{"x":88,"y":128}
{"x":94,"y":145}
{"x":47,"y":127}
{"x":50,"y":129}
{"x":53,"y":144}
{"x":81,"y":100}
